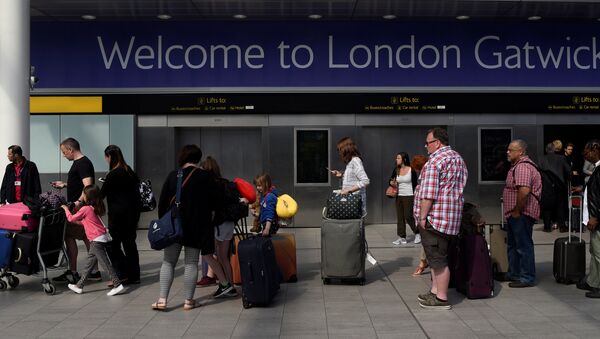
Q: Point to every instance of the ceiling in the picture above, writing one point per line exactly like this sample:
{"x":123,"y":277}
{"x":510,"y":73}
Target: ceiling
{"x":128,"y":10}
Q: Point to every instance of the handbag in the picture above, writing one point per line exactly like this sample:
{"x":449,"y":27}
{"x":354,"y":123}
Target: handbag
{"x":391,"y":191}
{"x":108,"y":237}
{"x":148,"y":202}
{"x":347,"y":206}
{"x":168,"y":230}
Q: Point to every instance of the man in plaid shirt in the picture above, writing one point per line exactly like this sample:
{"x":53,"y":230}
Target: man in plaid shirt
{"x":521,"y":196}
{"x":438,"y":206}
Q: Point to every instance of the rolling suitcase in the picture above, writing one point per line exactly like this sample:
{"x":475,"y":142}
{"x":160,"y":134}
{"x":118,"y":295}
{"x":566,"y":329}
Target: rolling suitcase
{"x":473,"y":275}
{"x":259,"y":271}
{"x":343,"y":250}
{"x":6,"y":244}
{"x":24,"y":258}
{"x":285,"y":255}
{"x":498,"y":249}
{"x":569,"y":255}
{"x":17,"y":217}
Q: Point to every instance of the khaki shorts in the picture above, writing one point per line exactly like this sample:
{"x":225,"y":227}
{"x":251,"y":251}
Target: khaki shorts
{"x":435,"y":245}
{"x":75,"y":231}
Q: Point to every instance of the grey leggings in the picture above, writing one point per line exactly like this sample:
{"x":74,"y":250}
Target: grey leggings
{"x":97,"y":253}
{"x":167,"y":270}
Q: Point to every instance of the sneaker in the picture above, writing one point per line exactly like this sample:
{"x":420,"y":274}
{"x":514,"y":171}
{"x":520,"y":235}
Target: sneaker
{"x":75,"y":289}
{"x":425,"y":296}
{"x":64,"y":277}
{"x":206,"y":281}
{"x":435,"y":304}
{"x":223,"y":290}
{"x":94,"y":276}
{"x":117,"y":290}
{"x":417,"y":238}
{"x":232,"y":293}
{"x":399,"y":241}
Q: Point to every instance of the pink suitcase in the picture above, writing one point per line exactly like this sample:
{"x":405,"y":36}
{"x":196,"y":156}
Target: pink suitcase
{"x":17,"y":217}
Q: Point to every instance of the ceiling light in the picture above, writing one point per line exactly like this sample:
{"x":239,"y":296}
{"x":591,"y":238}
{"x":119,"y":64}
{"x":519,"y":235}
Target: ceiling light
{"x":315,"y":16}
{"x":164,"y":16}
{"x":239,"y":16}
{"x":389,"y":17}
{"x":88,"y":17}
{"x":463,"y":17}
{"x":534,"y":18}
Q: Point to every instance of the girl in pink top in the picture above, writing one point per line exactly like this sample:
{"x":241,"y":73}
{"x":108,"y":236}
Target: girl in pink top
{"x":90,"y":216}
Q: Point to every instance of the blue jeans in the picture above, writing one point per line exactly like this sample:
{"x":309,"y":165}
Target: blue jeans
{"x":521,"y":257}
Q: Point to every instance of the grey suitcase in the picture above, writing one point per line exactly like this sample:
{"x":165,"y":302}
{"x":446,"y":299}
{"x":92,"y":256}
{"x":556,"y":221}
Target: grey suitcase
{"x":343,"y":250}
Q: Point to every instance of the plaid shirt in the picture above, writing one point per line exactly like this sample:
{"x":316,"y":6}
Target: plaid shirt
{"x":523,"y":175}
{"x":442,"y":180}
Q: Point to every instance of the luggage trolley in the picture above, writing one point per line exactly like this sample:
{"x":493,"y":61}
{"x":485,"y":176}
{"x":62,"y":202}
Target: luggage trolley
{"x":50,"y":243}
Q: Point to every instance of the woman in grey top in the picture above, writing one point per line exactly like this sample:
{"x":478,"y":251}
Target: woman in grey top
{"x":354,"y":176}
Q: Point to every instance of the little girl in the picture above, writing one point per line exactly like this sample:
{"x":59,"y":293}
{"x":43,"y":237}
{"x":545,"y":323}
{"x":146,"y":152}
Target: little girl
{"x":268,"y":202}
{"x":89,"y":215}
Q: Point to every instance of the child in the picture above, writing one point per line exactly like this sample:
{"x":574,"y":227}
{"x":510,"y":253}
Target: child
{"x":89,"y":215}
{"x":268,"y":202}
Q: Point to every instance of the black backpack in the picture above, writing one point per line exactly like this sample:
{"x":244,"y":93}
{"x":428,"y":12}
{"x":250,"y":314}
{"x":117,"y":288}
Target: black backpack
{"x":551,"y":187}
{"x":232,"y":209}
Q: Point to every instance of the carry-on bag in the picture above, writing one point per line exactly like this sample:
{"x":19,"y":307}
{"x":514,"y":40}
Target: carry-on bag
{"x":569,"y":256}
{"x":498,"y":249}
{"x":347,"y":206}
{"x":285,"y":255}
{"x":24,"y":258}
{"x":259,"y":271}
{"x":343,"y":250}
{"x":473,"y":275}
{"x":6,"y":244}
{"x":17,"y":217}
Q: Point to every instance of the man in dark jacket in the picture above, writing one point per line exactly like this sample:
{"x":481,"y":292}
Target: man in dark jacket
{"x":21,"y":178}
{"x":558,"y":165}
{"x":591,"y":214}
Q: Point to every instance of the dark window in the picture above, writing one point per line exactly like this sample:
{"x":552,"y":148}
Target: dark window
{"x":494,"y":164}
{"x":312,"y":156}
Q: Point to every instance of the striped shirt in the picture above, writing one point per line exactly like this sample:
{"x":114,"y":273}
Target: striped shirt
{"x":442,"y":180}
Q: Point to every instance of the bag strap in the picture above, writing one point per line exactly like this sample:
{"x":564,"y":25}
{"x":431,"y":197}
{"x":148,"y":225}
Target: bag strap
{"x":532,"y":164}
{"x":177,"y":198}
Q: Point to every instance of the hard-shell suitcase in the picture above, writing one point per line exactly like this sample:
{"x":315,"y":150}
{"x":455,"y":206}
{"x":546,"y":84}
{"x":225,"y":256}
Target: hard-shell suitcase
{"x":343,"y":250}
{"x":234,"y":259}
{"x":569,"y":255}
{"x":6,"y":244}
{"x":285,"y":254}
{"x":17,"y":217}
{"x":260,"y":274}
{"x":498,"y":249}
{"x":24,"y":258}
{"x":473,"y":274}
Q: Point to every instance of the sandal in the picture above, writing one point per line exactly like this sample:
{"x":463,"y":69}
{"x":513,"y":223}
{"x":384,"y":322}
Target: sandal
{"x":160,"y":305}
{"x":419,"y":270}
{"x":190,"y":305}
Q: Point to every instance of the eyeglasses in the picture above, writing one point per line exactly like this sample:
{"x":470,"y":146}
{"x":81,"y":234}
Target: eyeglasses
{"x":429,"y":142}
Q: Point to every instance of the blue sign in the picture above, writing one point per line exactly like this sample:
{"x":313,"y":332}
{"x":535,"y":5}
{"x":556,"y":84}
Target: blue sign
{"x":314,"y":54}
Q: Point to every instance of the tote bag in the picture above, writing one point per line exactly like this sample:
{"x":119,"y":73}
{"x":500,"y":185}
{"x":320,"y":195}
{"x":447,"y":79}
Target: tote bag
{"x":347,"y":206}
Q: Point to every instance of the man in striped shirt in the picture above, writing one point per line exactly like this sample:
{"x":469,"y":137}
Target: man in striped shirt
{"x":438,"y":207}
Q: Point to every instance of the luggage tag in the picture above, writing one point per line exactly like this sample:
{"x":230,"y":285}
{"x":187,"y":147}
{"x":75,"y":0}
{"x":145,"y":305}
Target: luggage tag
{"x":371,"y":259}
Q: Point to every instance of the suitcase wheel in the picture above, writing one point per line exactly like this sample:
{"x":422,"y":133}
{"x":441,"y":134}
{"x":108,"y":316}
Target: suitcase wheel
{"x":13,"y":281}
{"x":246,"y":304}
{"x":361,"y":281}
{"x":3,"y":285}
{"x":326,"y":281}
{"x":49,"y":288}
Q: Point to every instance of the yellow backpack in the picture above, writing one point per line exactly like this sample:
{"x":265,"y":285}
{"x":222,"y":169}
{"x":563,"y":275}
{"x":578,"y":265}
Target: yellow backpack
{"x":286,"y":206}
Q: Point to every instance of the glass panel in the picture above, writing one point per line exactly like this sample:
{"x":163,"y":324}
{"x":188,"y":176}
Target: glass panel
{"x":312,"y":156}
{"x":44,"y":141}
{"x":92,"y":133}
{"x":121,"y":134}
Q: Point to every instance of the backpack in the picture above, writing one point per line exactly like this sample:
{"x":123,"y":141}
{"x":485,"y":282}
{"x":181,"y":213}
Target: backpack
{"x":551,"y":187}
{"x":233,"y":209}
{"x":52,"y":199}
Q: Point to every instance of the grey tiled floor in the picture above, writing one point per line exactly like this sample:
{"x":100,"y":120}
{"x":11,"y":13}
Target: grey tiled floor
{"x":385,"y":307}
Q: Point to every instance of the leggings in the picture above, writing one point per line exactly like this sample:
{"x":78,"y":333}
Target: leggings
{"x":190,"y":275}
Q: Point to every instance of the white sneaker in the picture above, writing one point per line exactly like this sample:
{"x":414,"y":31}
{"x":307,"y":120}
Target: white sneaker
{"x":417,"y":238}
{"x":75,"y":289}
{"x":399,"y":241}
{"x":117,"y":290}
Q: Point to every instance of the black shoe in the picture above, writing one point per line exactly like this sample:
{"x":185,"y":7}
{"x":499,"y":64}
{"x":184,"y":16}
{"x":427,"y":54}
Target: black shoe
{"x":583,"y":285}
{"x":505,"y":277}
{"x":547,"y":230}
{"x":223,"y":291}
{"x":65,"y":277}
{"x":94,"y":276}
{"x":593,"y":293}
{"x":519,"y":284}
{"x":563,"y":230}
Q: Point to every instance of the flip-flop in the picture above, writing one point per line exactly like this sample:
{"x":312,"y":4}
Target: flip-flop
{"x":190,"y":305}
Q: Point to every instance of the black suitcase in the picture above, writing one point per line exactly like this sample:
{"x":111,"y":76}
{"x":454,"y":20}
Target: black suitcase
{"x":259,"y":271}
{"x":24,"y":259}
{"x":569,"y":255}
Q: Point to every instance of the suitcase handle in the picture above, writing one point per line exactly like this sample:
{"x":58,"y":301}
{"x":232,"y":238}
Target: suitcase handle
{"x":20,"y":253}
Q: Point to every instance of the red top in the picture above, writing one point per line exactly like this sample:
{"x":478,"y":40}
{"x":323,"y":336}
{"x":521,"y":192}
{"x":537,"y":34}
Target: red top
{"x":91,"y":222}
{"x":522,"y":173}
{"x":18,"y":168}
